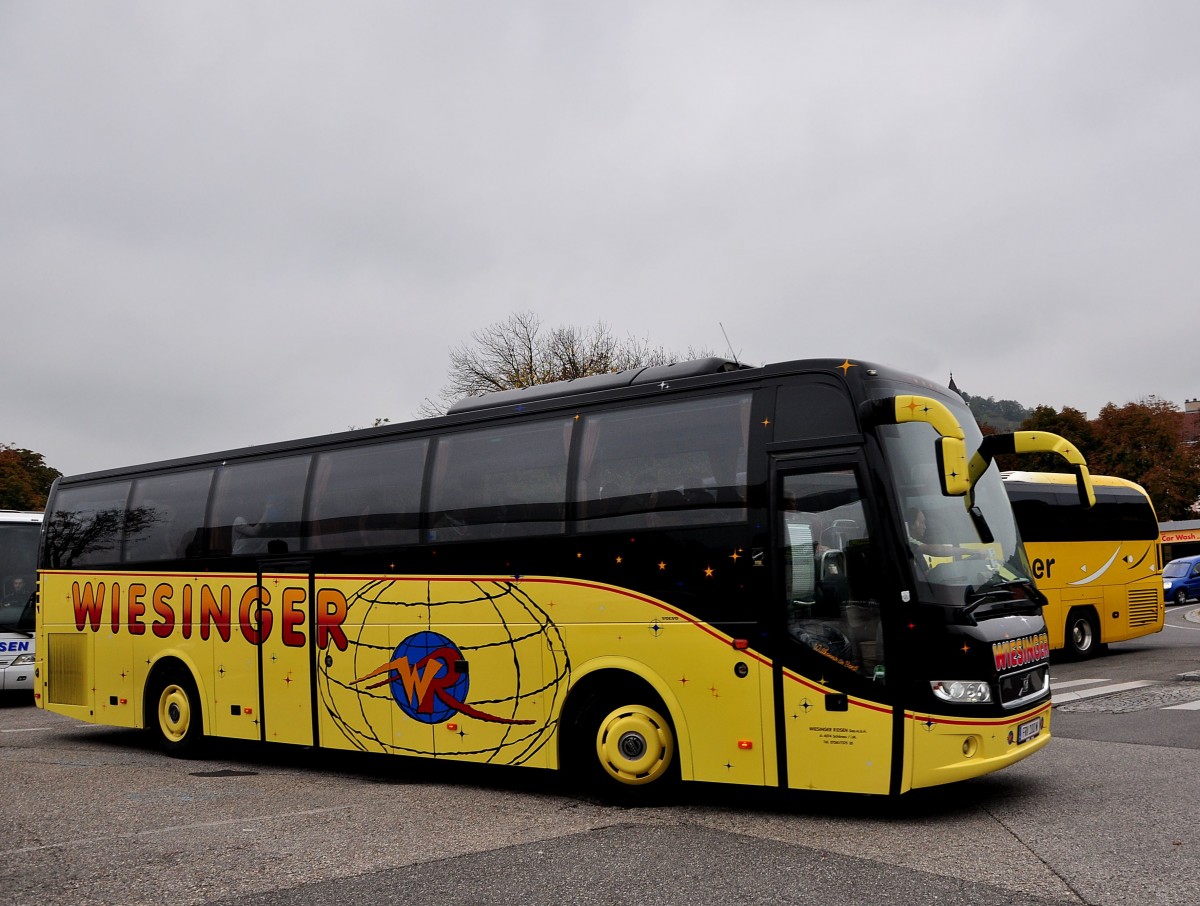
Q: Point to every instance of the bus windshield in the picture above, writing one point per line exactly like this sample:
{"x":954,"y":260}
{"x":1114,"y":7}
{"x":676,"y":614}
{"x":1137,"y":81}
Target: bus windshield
{"x":18,"y":575}
{"x":960,"y":556}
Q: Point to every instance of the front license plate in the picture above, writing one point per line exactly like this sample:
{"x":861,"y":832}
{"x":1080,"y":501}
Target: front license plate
{"x":1029,"y":729}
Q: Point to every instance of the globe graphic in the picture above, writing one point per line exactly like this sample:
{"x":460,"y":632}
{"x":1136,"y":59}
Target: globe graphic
{"x":459,"y":668}
{"x":416,"y":650}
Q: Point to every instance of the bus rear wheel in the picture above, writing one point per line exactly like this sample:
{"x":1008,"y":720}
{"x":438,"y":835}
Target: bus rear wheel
{"x":1082,"y":637}
{"x":175,"y":714}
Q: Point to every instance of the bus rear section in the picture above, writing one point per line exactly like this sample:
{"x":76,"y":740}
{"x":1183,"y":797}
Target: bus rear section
{"x":19,"y":533}
{"x":1099,"y":567}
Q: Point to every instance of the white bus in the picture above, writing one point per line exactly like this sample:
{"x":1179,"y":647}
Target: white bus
{"x":19,"y":533}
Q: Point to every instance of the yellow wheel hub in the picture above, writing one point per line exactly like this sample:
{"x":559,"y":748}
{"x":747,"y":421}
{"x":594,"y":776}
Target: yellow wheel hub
{"x":635,"y":744}
{"x":174,"y":712}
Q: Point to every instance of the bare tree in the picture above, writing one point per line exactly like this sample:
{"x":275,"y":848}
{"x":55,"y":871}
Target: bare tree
{"x":518,"y":352}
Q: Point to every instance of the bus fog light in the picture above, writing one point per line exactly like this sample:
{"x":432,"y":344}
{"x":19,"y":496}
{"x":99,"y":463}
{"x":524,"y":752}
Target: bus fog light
{"x":970,"y":746}
{"x":962,"y":692}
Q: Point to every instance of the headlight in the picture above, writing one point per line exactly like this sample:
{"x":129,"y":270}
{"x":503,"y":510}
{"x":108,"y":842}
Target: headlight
{"x":1166,"y":584}
{"x":22,"y":660}
{"x":962,"y":692}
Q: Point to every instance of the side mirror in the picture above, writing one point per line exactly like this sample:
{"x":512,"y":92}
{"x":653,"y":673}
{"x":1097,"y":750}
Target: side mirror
{"x":1033,"y":442}
{"x":951,"y":449}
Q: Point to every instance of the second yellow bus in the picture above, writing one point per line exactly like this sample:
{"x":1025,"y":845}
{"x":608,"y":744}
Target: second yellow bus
{"x":1099,"y":567}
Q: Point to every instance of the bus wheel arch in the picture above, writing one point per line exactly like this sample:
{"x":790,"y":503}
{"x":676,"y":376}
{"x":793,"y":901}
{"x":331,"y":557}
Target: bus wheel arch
{"x":1082,"y":633}
{"x":172,"y":709}
{"x":619,"y":734}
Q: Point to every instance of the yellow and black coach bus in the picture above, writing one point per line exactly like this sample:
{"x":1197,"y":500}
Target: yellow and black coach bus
{"x":1100,"y":567}
{"x":699,"y":571}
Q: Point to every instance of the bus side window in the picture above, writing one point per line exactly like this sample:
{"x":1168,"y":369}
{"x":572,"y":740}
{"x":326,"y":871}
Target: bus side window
{"x":367,"y":496}
{"x":256,"y":507}
{"x":170,"y":510}
{"x":501,"y":482}
{"x":87,"y":525}
{"x":668,"y":464}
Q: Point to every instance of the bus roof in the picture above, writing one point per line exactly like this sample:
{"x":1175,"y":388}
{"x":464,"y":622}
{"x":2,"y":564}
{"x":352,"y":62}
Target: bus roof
{"x":648,"y":374}
{"x":650,"y":381}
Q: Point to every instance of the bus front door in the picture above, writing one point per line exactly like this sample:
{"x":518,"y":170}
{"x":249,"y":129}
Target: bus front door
{"x":829,"y":679}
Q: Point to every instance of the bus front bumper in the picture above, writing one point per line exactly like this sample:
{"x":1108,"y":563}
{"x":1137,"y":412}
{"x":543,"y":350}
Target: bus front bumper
{"x":945,"y":749}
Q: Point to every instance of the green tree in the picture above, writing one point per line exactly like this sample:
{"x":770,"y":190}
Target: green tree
{"x":25,"y":479}
{"x":1069,"y":423}
{"x":520,"y":352}
{"x":1141,"y":442}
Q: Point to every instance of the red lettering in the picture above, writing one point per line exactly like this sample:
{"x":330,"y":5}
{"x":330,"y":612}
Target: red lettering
{"x":214,"y":613}
{"x":293,"y":617}
{"x":165,"y":625}
{"x":115,"y":601}
{"x":137,"y":607}
{"x":259,"y":631}
{"x":331,"y":613}
{"x":187,"y":611}
{"x":89,"y":605}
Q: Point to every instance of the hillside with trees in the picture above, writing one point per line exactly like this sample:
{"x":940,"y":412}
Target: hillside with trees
{"x":1003,"y":415}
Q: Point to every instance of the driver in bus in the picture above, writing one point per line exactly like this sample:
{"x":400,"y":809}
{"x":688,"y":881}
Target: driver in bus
{"x":918,"y":539}
{"x":16,"y":592}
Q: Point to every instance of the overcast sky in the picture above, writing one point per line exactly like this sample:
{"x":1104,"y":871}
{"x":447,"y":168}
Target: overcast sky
{"x":227,"y":223}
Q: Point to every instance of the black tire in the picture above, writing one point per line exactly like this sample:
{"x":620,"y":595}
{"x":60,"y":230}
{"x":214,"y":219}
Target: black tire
{"x":625,"y":749}
{"x":173,"y":713}
{"x":1082,"y":634}
{"x":1181,"y":596}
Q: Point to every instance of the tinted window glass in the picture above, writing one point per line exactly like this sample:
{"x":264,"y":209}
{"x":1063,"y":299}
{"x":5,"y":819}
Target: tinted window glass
{"x":87,"y":523}
{"x":813,"y":410}
{"x":172,"y":516}
{"x":18,"y":575}
{"x":366,"y":496}
{"x":256,"y":507}
{"x":829,"y":578}
{"x":1053,"y":513}
{"x":500,"y":482}
{"x":678,"y":463}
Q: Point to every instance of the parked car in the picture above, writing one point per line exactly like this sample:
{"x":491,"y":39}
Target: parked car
{"x":1181,"y":580}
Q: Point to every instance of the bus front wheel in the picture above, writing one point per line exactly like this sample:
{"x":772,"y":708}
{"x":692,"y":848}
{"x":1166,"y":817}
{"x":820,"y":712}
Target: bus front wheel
{"x":175,"y":713}
{"x":1082,"y":636}
{"x":635,"y":745}
{"x":625,"y":750}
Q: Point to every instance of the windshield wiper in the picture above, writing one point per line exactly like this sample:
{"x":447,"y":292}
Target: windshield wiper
{"x":991,"y":591}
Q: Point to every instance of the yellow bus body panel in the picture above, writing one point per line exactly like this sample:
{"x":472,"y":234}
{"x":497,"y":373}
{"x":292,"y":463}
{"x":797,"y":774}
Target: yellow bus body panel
{"x":470,"y":669}
{"x":842,"y":751}
{"x":946,"y":750}
{"x":520,"y":643}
